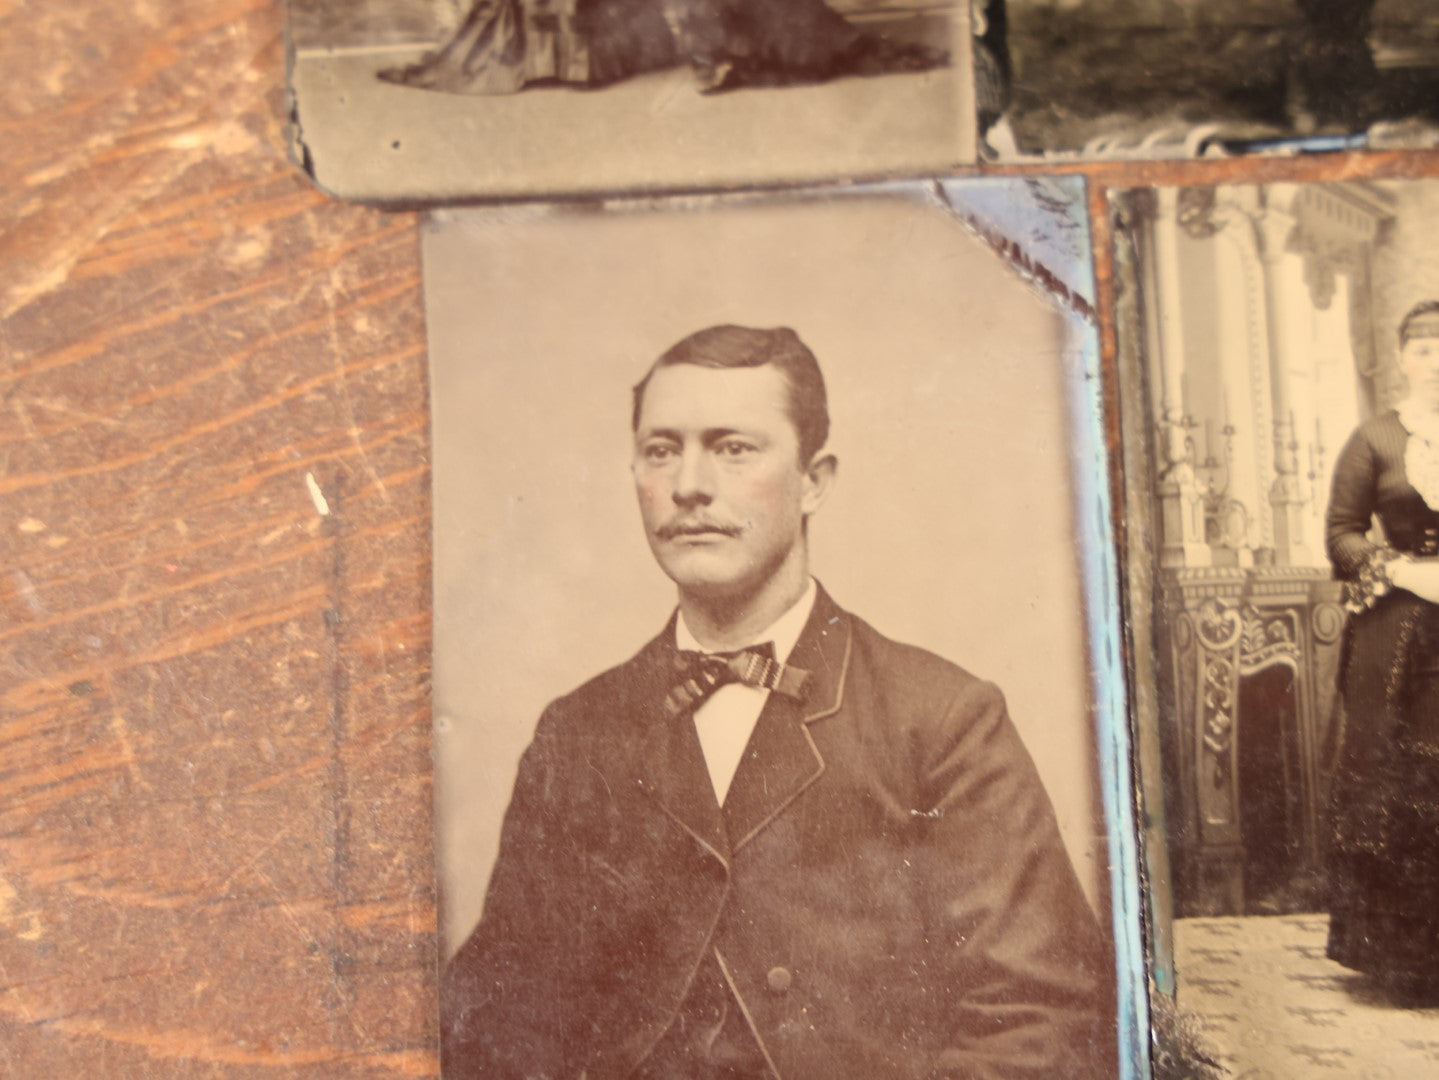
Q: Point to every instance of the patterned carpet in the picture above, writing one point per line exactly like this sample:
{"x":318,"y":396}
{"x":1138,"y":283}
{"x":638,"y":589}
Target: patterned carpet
{"x":1272,"y":1006}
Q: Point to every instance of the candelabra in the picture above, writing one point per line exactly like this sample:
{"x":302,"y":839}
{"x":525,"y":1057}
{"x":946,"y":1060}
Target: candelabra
{"x":1316,"y":464}
{"x":1212,"y":474}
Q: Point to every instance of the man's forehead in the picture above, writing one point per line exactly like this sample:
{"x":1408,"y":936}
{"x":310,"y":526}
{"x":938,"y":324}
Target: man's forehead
{"x":689,"y":395}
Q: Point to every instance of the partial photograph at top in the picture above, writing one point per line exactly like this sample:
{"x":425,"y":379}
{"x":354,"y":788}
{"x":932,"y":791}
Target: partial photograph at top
{"x":425,"y":101}
{"x":1095,"y":79}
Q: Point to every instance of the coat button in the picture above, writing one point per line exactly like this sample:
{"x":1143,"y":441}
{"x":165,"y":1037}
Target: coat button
{"x":779,"y":979}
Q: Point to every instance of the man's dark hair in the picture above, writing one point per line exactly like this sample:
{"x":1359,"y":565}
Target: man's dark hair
{"x":744,"y":347}
{"x":1428,"y":310}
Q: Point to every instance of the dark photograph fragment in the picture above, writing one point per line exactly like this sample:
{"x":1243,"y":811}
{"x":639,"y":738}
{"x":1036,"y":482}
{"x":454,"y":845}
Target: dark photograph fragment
{"x":421,"y":101}
{"x":1098,"y":79}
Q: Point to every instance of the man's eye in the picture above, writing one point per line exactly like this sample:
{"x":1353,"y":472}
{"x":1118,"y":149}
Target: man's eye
{"x":658,"y":452}
{"x":735,"y":448}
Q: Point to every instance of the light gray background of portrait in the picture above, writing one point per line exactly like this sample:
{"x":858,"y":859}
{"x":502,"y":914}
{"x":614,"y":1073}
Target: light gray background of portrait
{"x":950,"y":527}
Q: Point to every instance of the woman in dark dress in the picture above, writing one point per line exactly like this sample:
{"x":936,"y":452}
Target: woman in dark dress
{"x":1384,"y":856}
{"x":504,"y":45}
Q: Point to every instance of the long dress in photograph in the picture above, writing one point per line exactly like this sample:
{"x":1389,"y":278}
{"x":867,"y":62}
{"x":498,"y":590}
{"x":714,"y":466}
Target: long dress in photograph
{"x":504,"y":45}
{"x":1384,"y":856}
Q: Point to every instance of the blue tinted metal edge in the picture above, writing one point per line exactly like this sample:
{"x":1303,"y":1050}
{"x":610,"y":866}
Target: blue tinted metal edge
{"x":1048,"y":218}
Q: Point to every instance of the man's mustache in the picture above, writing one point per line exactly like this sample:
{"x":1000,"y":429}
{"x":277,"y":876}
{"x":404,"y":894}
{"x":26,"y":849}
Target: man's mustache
{"x":675,"y":529}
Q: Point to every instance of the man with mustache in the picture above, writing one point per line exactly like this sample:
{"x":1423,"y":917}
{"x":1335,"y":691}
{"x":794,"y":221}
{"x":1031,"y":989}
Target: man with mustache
{"x":774,"y":844}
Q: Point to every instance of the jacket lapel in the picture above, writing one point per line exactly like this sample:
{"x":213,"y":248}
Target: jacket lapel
{"x":672,"y":765}
{"x":782,"y":759}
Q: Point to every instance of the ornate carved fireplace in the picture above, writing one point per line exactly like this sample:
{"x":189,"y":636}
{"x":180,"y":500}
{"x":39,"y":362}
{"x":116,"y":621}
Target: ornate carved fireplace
{"x":1259,"y":352}
{"x":1252,"y":658}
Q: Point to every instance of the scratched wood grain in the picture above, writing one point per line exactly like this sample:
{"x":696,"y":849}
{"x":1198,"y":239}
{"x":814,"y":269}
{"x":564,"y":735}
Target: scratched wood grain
{"x":215,"y":854}
{"x":215,"y":837}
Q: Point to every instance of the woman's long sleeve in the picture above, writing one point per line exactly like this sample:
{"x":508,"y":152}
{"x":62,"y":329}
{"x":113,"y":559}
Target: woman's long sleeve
{"x":1351,"y":507}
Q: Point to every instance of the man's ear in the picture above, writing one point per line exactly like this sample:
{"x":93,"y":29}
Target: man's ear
{"x":818,"y":479}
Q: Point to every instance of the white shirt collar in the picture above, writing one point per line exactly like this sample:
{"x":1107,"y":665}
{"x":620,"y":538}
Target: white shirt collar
{"x":784,"y":631}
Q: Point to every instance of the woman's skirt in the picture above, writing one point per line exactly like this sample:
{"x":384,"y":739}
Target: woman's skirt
{"x":1383,"y":865}
{"x":505,"y":45}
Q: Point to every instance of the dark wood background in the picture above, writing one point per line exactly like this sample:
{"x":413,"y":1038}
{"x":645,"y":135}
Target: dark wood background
{"x":215,"y":837}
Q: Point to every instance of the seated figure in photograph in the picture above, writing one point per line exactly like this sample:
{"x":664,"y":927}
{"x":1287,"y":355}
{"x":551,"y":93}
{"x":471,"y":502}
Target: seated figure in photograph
{"x":774,"y":843}
{"x":505,"y":45}
{"x":1384,"y":847}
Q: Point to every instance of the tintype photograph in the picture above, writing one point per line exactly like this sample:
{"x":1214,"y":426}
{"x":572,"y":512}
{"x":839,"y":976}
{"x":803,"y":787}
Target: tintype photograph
{"x":439,"y":101}
{"x":773,"y":594}
{"x":1183,"y":78}
{"x":1280,"y":365}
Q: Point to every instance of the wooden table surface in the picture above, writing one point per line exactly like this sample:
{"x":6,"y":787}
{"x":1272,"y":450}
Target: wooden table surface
{"x":215,"y":836}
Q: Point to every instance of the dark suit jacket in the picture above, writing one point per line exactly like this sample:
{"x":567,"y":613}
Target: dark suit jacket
{"x":884,"y":889}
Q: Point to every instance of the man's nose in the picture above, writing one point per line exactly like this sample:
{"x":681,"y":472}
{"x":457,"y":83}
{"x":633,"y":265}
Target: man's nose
{"x":694,"y":484}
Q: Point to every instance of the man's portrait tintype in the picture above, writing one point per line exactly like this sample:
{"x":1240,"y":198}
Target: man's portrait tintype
{"x":775,"y":841}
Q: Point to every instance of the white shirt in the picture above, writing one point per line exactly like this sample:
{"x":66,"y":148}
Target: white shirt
{"x":726,"y":721}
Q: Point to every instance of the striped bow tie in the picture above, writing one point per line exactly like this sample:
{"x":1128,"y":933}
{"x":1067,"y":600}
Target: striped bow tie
{"x":701,"y":674}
